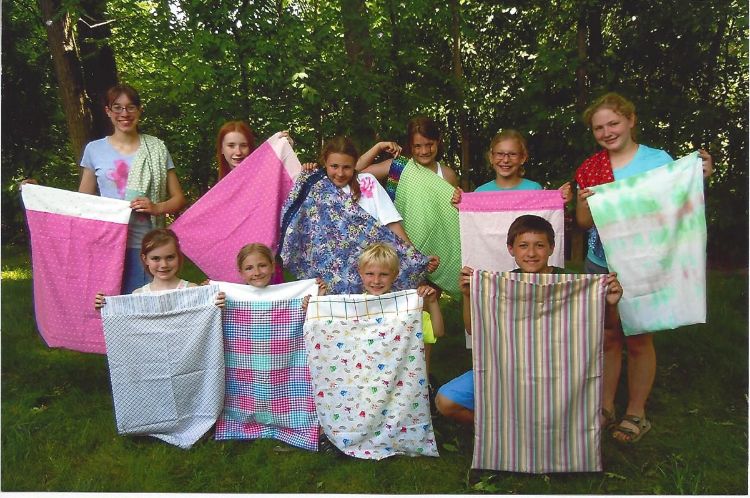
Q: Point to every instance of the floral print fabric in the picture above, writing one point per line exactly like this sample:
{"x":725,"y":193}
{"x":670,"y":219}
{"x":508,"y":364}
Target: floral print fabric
{"x":323,"y":233}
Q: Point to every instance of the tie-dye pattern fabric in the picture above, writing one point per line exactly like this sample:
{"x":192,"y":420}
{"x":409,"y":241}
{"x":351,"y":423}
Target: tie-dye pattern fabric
{"x":244,"y":207}
{"x":653,"y":228}
{"x":268,"y":388}
{"x":324,"y":232}
{"x":366,"y":357}
{"x":486,"y":216}
{"x":166,"y":363}
{"x":430,"y":220}
{"x":77,"y":249}
{"x":537,"y":371}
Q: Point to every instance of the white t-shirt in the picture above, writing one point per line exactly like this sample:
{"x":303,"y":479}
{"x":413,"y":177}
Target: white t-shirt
{"x":375,"y":200}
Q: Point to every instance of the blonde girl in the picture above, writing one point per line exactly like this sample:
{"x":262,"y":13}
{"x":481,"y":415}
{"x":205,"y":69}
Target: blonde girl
{"x":256,"y":265}
{"x":507,"y":155}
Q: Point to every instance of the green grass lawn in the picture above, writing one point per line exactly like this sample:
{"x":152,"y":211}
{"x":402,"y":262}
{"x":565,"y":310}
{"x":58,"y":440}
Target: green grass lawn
{"x":58,"y":427}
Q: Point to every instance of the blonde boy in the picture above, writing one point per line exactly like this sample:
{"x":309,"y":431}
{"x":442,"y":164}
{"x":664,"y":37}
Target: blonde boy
{"x":378,"y":268}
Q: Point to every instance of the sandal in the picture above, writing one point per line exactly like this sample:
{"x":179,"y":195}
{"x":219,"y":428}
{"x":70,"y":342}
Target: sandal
{"x":632,"y":437}
{"x":609,"y":419}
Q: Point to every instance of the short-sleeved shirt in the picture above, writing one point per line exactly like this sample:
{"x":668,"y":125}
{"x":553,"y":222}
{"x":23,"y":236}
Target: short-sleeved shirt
{"x":645,"y":159}
{"x":525,"y":184}
{"x":111,"y":169}
{"x":374,"y":199}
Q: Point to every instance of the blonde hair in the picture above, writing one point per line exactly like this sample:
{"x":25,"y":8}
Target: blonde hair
{"x":380,"y":254}
{"x":614,"y":102}
{"x":510,"y":134}
{"x":255,"y":247}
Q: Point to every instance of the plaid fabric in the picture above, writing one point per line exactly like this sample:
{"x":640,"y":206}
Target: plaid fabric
{"x":653,"y":227}
{"x":165,"y":362}
{"x":431,"y":221}
{"x":367,"y":361}
{"x":537,"y":371}
{"x":268,"y":390}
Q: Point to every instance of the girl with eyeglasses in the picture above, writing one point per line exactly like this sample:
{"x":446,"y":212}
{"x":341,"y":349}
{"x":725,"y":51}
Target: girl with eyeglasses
{"x":132,"y":166}
{"x":507,"y":155}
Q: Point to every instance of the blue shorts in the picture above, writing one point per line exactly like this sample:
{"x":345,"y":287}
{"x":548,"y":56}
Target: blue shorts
{"x":134,"y":275}
{"x":460,"y":390}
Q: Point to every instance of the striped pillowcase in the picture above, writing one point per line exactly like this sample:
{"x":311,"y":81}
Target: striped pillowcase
{"x":537,"y":343}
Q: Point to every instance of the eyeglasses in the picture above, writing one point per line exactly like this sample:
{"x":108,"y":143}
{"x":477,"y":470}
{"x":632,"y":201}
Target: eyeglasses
{"x":509,"y":155}
{"x":117,"y":108}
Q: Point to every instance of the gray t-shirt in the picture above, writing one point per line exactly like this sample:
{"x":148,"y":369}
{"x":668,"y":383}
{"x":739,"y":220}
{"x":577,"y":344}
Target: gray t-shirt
{"x":111,"y":169}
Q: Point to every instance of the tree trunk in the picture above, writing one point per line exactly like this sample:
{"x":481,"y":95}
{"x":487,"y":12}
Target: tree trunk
{"x":359,"y":52}
{"x":65,"y":57}
{"x":98,"y":61}
{"x":242,"y":62}
{"x":397,"y":98}
{"x":458,"y":83}
{"x":595,"y":49}
{"x":581,"y":72}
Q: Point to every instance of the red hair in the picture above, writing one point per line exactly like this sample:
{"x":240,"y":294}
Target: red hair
{"x":228,"y":127}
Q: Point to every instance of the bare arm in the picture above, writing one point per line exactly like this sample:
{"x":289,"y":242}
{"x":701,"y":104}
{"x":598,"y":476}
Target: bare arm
{"x":466,"y":312}
{"x":367,"y":159}
{"x":613,"y":296}
{"x":88,"y":181}
{"x":378,"y":170}
{"x":583,"y":212}
{"x":432,"y":306}
{"x":566,"y":191}
{"x":449,"y":175}
{"x":173,"y":204}
{"x":397,"y":228}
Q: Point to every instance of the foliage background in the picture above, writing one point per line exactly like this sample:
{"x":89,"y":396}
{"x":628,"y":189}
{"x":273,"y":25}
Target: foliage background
{"x":322,"y":67}
{"x":475,"y":66}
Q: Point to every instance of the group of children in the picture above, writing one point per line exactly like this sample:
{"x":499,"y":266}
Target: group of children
{"x":530,"y":239}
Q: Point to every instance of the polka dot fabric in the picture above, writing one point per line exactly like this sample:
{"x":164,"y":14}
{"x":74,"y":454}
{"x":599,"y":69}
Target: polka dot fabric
{"x":77,"y":249}
{"x":244,"y":207}
{"x":595,"y":170}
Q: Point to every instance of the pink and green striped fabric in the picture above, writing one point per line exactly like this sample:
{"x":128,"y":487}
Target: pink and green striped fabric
{"x":537,"y":371}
